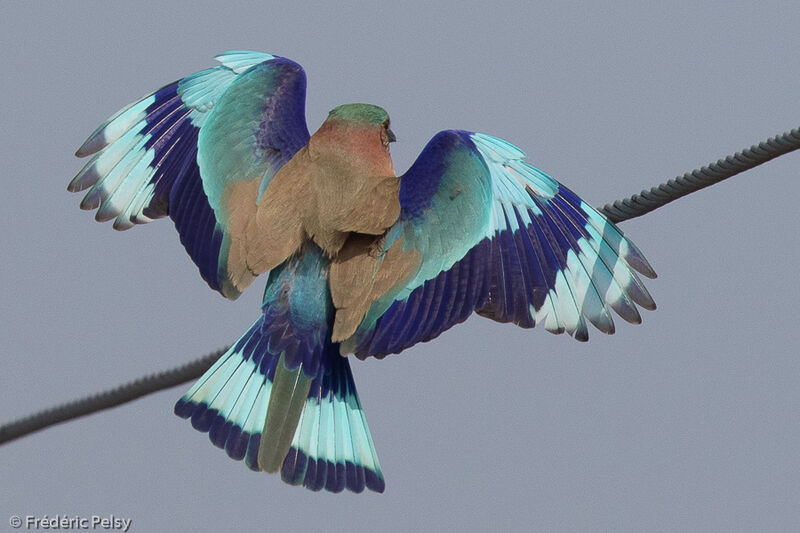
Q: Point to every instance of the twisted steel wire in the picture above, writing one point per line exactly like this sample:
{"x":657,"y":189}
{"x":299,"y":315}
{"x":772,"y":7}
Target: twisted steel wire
{"x":660,"y":195}
{"x":110,"y":398}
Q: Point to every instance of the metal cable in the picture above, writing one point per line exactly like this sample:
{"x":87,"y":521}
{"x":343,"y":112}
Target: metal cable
{"x":635,"y":206}
{"x":110,"y":398}
{"x":646,"y":201}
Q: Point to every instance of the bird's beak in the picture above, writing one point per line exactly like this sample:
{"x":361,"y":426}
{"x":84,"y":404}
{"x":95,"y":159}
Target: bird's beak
{"x":390,"y":135}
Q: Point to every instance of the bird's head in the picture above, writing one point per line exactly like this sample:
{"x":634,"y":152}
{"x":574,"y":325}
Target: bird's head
{"x":356,"y":135}
{"x":362,"y":116}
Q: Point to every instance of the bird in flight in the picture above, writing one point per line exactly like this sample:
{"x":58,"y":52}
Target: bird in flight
{"x":358,"y":260}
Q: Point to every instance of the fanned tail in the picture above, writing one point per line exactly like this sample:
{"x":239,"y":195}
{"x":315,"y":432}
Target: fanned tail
{"x":282,"y":398}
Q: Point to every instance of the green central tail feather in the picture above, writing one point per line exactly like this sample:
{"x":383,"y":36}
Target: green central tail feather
{"x":289,"y":392}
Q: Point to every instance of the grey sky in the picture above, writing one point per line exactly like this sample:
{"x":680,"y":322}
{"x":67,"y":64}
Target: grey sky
{"x":688,"y":422}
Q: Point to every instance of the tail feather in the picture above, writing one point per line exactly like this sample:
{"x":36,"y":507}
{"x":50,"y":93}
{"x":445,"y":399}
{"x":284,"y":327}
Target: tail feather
{"x":328,"y":444}
{"x":230,"y":400}
{"x":332,"y":447}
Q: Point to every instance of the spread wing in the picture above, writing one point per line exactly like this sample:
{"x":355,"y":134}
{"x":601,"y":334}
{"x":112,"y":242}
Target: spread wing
{"x":203,"y":151}
{"x":482,"y":230}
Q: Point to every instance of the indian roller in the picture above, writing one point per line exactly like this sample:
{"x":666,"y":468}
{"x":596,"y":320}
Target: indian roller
{"x":357,"y":260}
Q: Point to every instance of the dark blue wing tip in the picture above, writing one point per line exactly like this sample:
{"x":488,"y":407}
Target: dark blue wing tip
{"x":222,"y":432}
{"x":202,"y":417}
{"x":294,"y":467}
{"x":236,"y":445}
{"x":251,"y":457}
{"x":354,"y":477}
{"x":219,"y":431}
{"x":335,"y":482}
{"x":184,"y":408}
{"x":318,"y":474}
{"x":374,"y":481}
{"x":297,"y":469}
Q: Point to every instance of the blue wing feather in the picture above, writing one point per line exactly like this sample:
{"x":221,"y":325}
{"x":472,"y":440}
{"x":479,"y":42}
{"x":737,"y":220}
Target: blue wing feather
{"x":145,"y":163}
{"x":499,"y":237}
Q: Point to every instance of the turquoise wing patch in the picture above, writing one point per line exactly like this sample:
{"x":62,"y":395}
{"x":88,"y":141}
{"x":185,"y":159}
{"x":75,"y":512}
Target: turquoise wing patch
{"x":144,"y":159}
{"x":500,"y":237}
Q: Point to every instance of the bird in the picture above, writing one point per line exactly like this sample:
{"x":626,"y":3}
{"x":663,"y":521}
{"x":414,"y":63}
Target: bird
{"x":358,"y":260}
